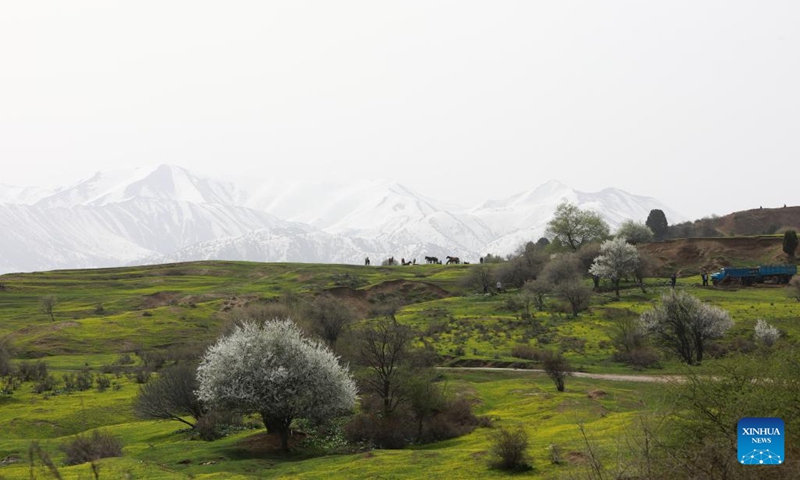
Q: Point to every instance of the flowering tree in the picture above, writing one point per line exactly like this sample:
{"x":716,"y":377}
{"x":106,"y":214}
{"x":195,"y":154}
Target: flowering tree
{"x":766,"y":333}
{"x":273,"y":370}
{"x":617,"y":259}
{"x":683,"y":324}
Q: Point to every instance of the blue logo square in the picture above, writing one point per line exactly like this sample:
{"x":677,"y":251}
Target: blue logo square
{"x":760,"y":441}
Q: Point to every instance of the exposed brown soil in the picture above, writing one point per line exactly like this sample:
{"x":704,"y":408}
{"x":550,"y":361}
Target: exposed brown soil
{"x":595,"y":394}
{"x":691,"y":256}
{"x":159,"y":299}
{"x":401,"y":291}
{"x":759,"y":221}
{"x":51,"y":327}
{"x":579,"y":458}
{"x":262,"y":442}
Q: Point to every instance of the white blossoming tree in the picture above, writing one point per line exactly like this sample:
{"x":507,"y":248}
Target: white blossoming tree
{"x":683,"y":324}
{"x":273,"y":370}
{"x":766,"y":333}
{"x":617,"y":259}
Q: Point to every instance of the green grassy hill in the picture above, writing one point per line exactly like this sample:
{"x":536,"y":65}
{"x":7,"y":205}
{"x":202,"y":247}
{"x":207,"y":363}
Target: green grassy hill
{"x":102,"y":315}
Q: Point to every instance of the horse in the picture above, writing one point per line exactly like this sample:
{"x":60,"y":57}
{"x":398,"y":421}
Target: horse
{"x":366,"y":261}
{"x":452,"y":260}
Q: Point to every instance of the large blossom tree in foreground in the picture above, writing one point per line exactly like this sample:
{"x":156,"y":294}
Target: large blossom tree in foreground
{"x":273,"y":370}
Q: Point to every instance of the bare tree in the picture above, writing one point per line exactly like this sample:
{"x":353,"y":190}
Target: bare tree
{"x":171,"y":396}
{"x":47,"y":304}
{"x":480,"y":278}
{"x":644,"y":269}
{"x":383,"y":347}
{"x":536,"y":292}
{"x":576,"y":294}
{"x":329,"y":317}
{"x":565,"y":267}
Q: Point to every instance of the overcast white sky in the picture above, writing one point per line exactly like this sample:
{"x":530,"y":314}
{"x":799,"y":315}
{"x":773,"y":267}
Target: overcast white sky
{"x":696,"y":103}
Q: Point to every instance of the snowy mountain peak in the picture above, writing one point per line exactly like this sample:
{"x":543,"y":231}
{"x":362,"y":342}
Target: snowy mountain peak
{"x":167,"y":213}
{"x":162,"y":182}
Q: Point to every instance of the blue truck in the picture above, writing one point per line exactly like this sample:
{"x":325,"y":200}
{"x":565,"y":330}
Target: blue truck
{"x":780,"y":274}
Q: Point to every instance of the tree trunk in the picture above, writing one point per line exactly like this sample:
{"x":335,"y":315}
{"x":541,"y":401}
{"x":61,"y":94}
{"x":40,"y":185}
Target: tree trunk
{"x":278,"y":426}
{"x":284,"y":440}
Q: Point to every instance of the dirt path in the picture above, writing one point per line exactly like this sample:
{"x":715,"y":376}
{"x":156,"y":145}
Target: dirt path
{"x":597,"y":376}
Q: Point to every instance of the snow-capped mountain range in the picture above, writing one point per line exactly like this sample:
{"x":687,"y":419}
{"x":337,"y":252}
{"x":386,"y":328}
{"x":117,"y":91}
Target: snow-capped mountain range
{"x":167,"y":213}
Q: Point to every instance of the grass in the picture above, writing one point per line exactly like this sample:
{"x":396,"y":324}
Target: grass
{"x":168,"y":307}
{"x":158,"y":450}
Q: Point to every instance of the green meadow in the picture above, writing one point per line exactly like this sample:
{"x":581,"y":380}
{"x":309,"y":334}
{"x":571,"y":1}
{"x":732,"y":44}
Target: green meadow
{"x":103,"y":317}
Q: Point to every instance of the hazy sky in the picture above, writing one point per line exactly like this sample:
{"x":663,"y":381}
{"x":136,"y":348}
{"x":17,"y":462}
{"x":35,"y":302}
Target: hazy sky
{"x":696,"y":103}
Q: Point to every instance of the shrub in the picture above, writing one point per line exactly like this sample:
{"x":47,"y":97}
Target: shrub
{"x":555,"y":454}
{"x":103,"y":382}
{"x":69,"y":382}
{"x":217,"y":424}
{"x":639,"y":358}
{"x":508,"y":449}
{"x":125,"y":359}
{"x":6,"y":350}
{"x":88,"y":448}
{"x":32,"y":371}
{"x":455,"y":419}
{"x":526,"y":352}
{"x":142,"y":375}
{"x":371,"y":428}
{"x":46,"y":384}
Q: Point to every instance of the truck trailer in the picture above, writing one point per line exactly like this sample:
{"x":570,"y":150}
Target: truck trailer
{"x":780,"y":274}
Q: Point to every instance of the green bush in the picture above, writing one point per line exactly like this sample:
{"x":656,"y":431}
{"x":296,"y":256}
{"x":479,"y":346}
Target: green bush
{"x":508,"y":449}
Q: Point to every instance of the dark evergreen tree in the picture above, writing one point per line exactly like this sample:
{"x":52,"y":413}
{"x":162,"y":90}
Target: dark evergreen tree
{"x":790,"y":243}
{"x":542,"y":242}
{"x":657,"y":222}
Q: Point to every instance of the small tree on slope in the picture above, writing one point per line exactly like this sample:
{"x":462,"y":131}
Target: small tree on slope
{"x":273,"y":370}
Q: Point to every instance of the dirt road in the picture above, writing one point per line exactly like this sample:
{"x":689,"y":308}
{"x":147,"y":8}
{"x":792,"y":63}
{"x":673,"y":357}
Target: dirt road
{"x":597,"y":376}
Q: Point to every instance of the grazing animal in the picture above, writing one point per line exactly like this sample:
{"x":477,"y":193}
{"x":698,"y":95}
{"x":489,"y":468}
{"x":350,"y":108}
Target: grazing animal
{"x":452,"y":260}
{"x":431,"y":260}
{"x":366,"y":261}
